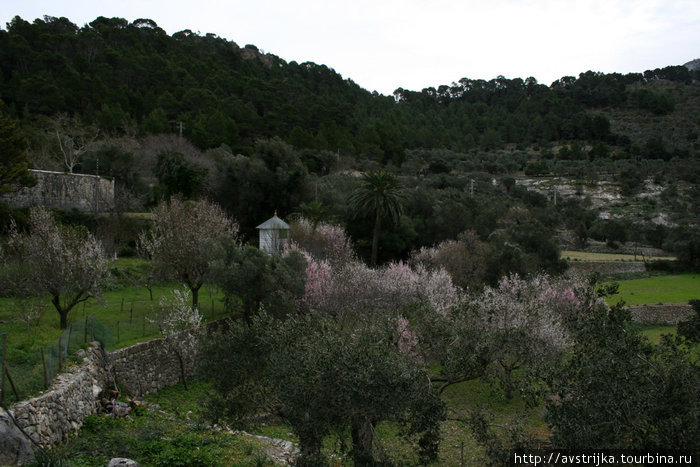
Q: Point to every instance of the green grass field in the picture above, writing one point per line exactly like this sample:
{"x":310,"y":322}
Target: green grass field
{"x":659,"y":289}
{"x":121,"y":317}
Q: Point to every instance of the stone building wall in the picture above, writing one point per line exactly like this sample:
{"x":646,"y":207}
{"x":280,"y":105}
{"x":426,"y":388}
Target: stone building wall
{"x":64,"y":191}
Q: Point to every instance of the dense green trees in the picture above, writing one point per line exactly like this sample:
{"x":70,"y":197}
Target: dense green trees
{"x":253,"y":281}
{"x":123,"y":76}
{"x":619,"y":391}
{"x":323,"y":379}
{"x":14,"y":165}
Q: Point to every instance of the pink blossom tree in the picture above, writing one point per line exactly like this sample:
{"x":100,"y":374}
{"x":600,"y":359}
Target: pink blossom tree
{"x":322,"y":240}
{"x":522,"y":324}
{"x":464,"y":259}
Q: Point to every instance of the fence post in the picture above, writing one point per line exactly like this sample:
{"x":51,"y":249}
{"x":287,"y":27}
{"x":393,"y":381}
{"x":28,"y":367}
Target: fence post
{"x":70,"y":331}
{"x":60,"y":350}
{"x":122,"y":307}
{"x":131,"y":313}
{"x":12,"y":384}
{"x":4,"y":366}
{"x":143,"y":327}
{"x":46,"y":373}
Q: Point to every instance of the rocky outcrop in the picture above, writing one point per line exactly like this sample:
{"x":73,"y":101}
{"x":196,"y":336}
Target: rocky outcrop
{"x":15,"y":448}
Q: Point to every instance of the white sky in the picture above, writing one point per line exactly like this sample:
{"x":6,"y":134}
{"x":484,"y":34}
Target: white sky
{"x":386,"y":44}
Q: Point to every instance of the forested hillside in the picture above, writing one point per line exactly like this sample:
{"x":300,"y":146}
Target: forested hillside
{"x":124,"y":77}
{"x":198,"y":115}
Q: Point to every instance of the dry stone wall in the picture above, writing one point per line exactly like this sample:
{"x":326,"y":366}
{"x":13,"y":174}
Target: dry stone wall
{"x":606,"y":267}
{"x":59,"y":412}
{"x":64,"y":191}
{"x":140,"y":369}
{"x":146,"y":367}
{"x":666,"y":314}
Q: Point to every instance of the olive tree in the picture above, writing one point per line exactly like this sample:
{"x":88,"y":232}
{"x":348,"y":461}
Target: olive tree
{"x":620,"y":391}
{"x":322,"y":379}
{"x":255,"y":280}
{"x":181,"y":239}
{"x":68,"y":264}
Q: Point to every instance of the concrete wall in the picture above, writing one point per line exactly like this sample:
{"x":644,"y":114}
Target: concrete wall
{"x":64,"y":191}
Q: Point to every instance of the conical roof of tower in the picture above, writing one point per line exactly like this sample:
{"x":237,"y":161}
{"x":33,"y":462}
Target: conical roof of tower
{"x":274,"y":223}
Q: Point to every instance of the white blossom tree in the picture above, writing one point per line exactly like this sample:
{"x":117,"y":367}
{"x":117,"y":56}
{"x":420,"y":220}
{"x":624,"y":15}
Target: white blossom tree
{"x":178,"y":322}
{"x":181,"y":238}
{"x":323,"y":241}
{"x":520,"y":324}
{"x":67,"y":263}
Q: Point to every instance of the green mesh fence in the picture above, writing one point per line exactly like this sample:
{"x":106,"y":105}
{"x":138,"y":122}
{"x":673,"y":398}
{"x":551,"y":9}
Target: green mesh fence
{"x":32,"y":371}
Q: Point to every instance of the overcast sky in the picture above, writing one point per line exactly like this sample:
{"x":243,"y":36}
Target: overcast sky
{"x":386,"y":44}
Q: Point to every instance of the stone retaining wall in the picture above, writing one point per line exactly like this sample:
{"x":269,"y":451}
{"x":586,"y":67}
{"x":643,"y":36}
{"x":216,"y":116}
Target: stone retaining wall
{"x":60,"y":190}
{"x":140,"y":369}
{"x":146,"y":367}
{"x":50,"y":418}
{"x":606,"y":267}
{"x":665,"y":314}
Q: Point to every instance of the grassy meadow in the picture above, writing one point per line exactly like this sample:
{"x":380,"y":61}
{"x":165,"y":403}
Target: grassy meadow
{"x":120,"y":317}
{"x":677,"y":288}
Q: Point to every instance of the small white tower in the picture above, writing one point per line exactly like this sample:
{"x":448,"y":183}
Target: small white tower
{"x":274,"y":235}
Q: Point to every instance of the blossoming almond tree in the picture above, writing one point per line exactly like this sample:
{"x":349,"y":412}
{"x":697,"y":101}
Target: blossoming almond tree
{"x":323,"y":241}
{"x":67,"y":263}
{"x":521,"y":323}
{"x":180,"y":240}
{"x":518,"y":324}
{"x":178,"y":322}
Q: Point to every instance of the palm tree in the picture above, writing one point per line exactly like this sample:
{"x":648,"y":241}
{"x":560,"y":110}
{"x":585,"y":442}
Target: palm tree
{"x":379,"y":195}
